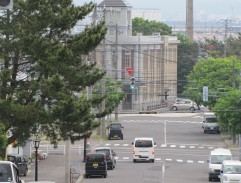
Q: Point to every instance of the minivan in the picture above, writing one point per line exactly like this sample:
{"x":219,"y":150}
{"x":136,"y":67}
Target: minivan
{"x":216,"y":158}
{"x":231,"y":171}
{"x":96,"y":164}
{"x":9,"y":172}
{"x":210,"y":123}
{"x":110,"y":156}
{"x":143,"y":149}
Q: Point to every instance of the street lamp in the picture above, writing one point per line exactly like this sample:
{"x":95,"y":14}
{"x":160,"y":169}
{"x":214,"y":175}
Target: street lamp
{"x":36,"y":146}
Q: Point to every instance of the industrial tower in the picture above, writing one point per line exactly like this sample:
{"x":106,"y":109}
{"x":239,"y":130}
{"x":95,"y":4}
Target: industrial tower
{"x":189,"y":19}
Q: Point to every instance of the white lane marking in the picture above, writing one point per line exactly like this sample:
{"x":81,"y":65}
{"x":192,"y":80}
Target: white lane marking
{"x":173,"y":146}
{"x":126,"y":158}
{"x":210,"y":148}
{"x":116,"y":144}
{"x":189,"y":161}
{"x":179,"y":160}
{"x":201,"y":147}
{"x":168,"y":159}
{"x":107,"y":144}
{"x":158,"y":159}
{"x":200,"y":161}
{"x":116,"y":157}
{"x":125,"y":144}
{"x":192,"y":147}
{"x":182,"y":147}
{"x":163,"y":145}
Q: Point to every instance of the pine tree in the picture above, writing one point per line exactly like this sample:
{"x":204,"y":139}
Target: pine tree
{"x":43,"y":73}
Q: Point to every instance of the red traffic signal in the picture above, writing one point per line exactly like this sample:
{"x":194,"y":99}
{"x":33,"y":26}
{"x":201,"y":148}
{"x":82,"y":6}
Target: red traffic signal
{"x":6,"y":4}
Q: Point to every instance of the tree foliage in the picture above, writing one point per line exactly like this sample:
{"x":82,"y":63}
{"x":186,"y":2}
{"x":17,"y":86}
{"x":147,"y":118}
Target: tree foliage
{"x":187,"y":56}
{"x":218,"y":74}
{"x":146,"y":27}
{"x":44,"y":75}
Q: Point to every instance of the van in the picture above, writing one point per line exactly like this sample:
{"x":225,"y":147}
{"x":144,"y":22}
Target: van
{"x":143,"y":149}
{"x":231,"y":171}
{"x":216,"y":158}
{"x":110,"y":156}
{"x":96,"y":164}
{"x":9,"y":172}
{"x":21,"y":163}
{"x":210,"y":123}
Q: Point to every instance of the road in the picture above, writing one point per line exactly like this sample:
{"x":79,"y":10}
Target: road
{"x":181,"y":153}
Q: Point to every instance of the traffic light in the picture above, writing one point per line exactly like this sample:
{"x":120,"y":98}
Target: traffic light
{"x":132,"y":86}
{"x":6,"y":4}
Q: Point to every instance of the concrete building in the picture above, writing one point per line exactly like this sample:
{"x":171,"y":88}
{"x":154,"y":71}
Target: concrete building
{"x":153,"y":58}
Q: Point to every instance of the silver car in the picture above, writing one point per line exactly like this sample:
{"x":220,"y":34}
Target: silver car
{"x":184,"y":104}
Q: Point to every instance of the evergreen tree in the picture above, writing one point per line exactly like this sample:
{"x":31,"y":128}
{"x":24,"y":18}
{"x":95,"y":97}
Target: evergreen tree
{"x":44,"y":75}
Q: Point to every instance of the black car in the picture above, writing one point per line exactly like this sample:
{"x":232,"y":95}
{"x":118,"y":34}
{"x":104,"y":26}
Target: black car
{"x":110,"y":156}
{"x":115,"y":131}
{"x":96,"y":164}
{"x":20,"y":162}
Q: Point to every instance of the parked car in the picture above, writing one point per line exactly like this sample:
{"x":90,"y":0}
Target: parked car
{"x":115,"y":131}
{"x":184,"y":104}
{"x":143,"y":149}
{"x":21,"y":163}
{"x":9,"y":172}
{"x":96,"y":165}
{"x":110,"y":156}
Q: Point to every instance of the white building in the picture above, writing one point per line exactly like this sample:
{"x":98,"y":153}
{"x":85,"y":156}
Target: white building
{"x":153,"y":58}
{"x":147,"y":14}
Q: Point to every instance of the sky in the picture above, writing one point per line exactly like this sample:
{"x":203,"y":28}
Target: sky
{"x":176,"y":9}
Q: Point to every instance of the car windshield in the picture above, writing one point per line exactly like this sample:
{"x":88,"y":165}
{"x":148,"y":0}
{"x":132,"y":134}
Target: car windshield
{"x":211,"y":120}
{"x":143,"y":143}
{"x":232,"y":169}
{"x":106,"y":151}
{"x":218,"y":159}
{"x":94,"y":158}
{"x":5,"y":173}
{"x":115,"y":126}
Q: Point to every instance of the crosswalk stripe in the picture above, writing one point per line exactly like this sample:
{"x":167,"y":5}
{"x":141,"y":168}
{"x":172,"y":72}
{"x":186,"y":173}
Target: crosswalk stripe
{"x":192,"y":147}
{"x":158,"y":159}
{"x":125,"y":144}
{"x":163,"y":145}
{"x":116,"y":144}
{"x":200,"y":161}
{"x":168,"y":159}
{"x":173,"y":146}
{"x":125,"y":157}
{"x":179,"y":160}
{"x":189,"y":161}
{"x":182,"y":146}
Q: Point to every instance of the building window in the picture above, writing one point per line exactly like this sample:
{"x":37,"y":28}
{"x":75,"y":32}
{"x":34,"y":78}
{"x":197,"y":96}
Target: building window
{"x":127,"y":58}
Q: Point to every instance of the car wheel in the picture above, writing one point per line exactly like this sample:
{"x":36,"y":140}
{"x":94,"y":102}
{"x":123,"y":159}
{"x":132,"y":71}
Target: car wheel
{"x":152,"y":160}
{"x":134,"y":160}
{"x":105,"y":176}
{"x":192,"y":109}
{"x":204,"y":131}
{"x":174,"y":108}
{"x":209,"y":179}
{"x":86,"y":176}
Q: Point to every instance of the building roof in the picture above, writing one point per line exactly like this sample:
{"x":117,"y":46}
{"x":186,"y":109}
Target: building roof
{"x":114,"y":3}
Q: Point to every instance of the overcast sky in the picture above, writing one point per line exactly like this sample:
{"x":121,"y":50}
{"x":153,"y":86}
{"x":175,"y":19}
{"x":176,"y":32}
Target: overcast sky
{"x":177,"y":8}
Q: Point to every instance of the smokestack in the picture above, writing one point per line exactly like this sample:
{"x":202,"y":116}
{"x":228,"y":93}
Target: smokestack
{"x":189,"y":19}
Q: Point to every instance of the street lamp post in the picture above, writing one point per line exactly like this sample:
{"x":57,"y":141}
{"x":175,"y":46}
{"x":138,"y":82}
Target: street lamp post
{"x":36,"y":146}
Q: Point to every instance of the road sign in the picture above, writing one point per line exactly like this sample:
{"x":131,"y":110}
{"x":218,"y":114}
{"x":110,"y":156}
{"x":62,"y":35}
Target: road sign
{"x":205,"y":93}
{"x":130,"y":70}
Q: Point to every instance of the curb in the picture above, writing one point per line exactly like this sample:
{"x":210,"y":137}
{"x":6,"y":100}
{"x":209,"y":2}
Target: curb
{"x":80,"y":179}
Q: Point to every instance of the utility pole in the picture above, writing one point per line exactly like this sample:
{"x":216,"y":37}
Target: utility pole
{"x":116,"y":62}
{"x":226,"y":24}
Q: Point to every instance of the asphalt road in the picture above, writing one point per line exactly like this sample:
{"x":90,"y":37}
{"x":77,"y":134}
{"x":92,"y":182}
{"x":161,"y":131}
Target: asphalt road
{"x":181,"y":153}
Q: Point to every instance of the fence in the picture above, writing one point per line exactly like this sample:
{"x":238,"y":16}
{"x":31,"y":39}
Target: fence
{"x":61,"y":149}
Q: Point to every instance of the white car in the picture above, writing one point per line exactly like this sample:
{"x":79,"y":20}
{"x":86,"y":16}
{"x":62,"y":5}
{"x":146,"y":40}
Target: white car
{"x":184,"y":104}
{"x":231,"y":171}
{"x":143,"y":149}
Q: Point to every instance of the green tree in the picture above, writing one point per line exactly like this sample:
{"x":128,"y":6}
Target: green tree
{"x":234,"y":46}
{"x":146,"y":27}
{"x":44,"y":75}
{"x":228,"y":110}
{"x":216,"y":73}
{"x":187,"y":56}
{"x":3,"y":138}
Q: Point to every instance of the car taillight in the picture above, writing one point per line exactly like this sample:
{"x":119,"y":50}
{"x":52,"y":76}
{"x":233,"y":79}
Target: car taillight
{"x":134,"y":150}
{"x":153,"y":151}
